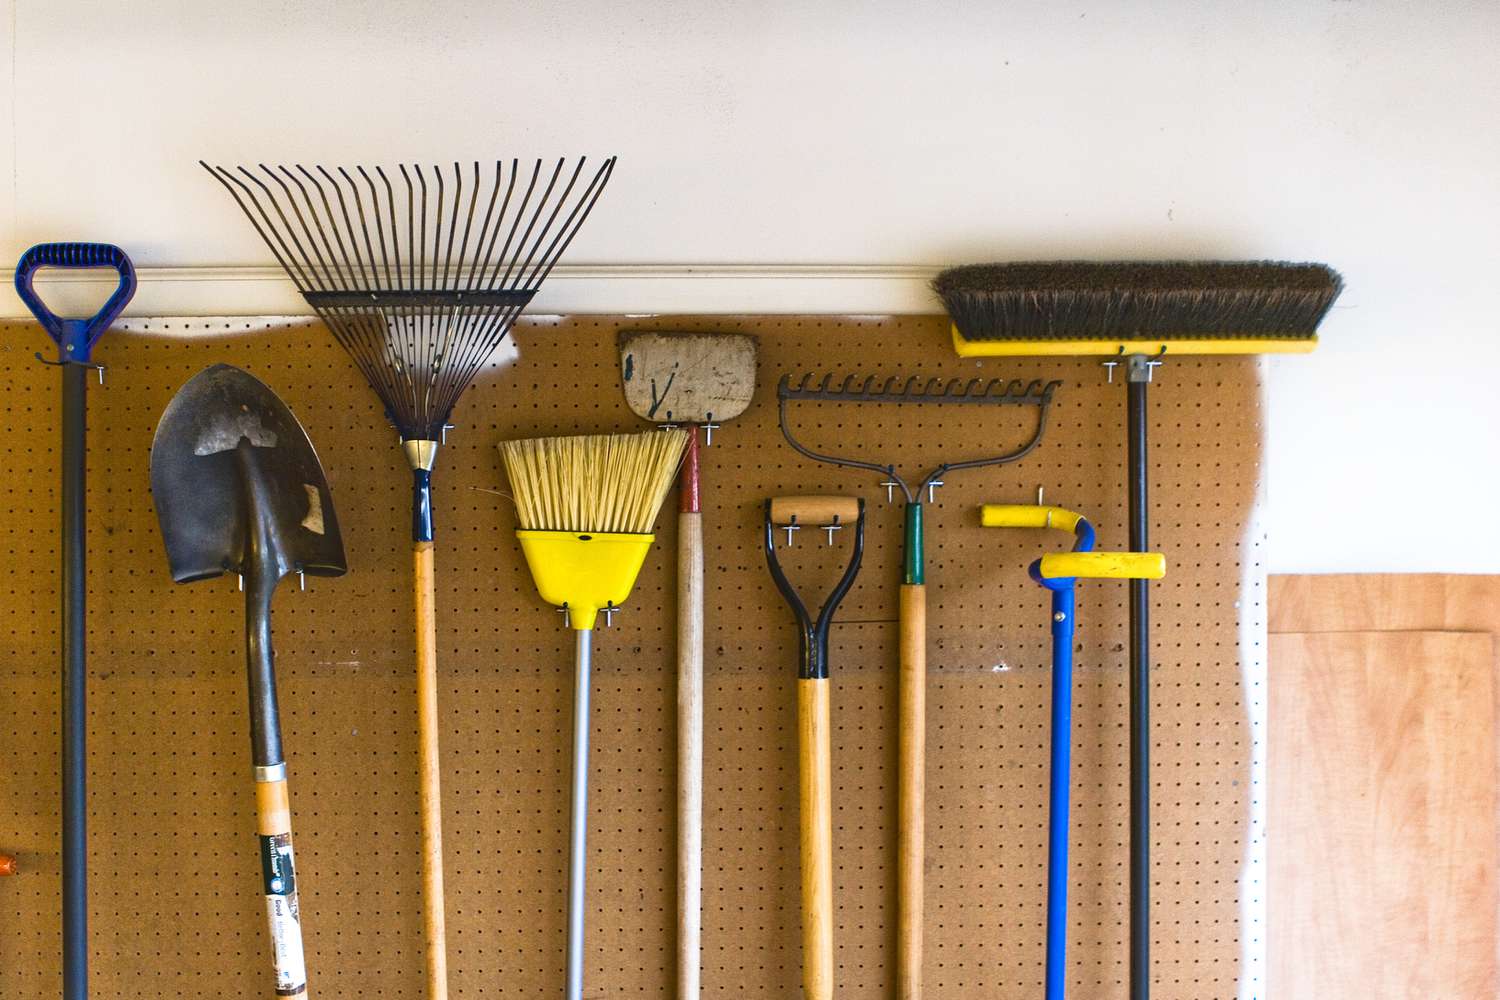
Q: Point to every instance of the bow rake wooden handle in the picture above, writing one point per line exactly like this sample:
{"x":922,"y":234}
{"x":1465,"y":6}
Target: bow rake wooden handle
{"x":434,"y":922}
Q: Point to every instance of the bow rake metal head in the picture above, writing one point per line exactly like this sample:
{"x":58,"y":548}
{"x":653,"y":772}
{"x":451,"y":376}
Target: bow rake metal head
{"x":871,"y":389}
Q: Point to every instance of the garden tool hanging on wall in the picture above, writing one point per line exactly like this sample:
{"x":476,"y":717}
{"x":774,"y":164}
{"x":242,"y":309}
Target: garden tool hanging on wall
{"x":1137,"y":314}
{"x":692,"y":380}
{"x":586,"y":506}
{"x":1058,"y":573}
{"x":912,"y":749}
{"x":420,"y":279}
{"x":239,"y":489}
{"x":75,"y":339}
{"x":814,"y":725}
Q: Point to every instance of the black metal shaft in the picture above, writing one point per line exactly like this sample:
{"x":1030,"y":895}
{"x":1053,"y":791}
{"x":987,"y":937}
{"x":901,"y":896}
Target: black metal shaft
{"x":1140,"y":704}
{"x":265,"y":719}
{"x":75,"y":898}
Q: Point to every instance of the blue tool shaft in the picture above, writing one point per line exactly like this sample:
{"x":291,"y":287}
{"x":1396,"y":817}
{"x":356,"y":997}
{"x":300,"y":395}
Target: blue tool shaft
{"x":75,"y":893}
{"x":1057,"y":828}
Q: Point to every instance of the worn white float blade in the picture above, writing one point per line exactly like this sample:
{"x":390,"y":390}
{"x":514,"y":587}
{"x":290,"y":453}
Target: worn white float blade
{"x":690,"y":378}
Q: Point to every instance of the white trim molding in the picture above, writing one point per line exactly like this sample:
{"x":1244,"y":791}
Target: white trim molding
{"x":876,"y":289}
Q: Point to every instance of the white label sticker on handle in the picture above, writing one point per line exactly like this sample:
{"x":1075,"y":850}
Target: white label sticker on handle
{"x":280,"y":874}
{"x":286,"y":945}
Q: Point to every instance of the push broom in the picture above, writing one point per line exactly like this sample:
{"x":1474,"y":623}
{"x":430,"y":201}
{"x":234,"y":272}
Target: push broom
{"x":1138,"y":313}
{"x":420,"y":273}
{"x":1058,"y":574}
{"x":586,"y":506}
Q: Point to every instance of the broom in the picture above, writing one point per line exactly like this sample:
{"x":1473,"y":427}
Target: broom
{"x":1138,"y":312}
{"x":586,"y":506}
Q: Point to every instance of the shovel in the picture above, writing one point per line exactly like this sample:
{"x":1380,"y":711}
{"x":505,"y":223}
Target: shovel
{"x":694,"y":380}
{"x":239,"y":489}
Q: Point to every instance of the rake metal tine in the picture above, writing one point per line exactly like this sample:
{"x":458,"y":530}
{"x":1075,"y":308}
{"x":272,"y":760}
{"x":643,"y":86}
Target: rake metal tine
{"x":284,"y":231}
{"x":543,"y":267}
{"x":586,"y":202}
{"x":557,"y":207}
{"x":333,"y":225}
{"x":536,"y":173}
{"x":500,"y":221}
{"x":541,"y":206}
{"x":312,"y":211}
{"x":321,"y":267}
{"x":225,"y":179}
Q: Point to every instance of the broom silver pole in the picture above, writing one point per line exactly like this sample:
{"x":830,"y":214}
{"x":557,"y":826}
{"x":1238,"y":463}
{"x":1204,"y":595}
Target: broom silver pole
{"x":577,"y":850}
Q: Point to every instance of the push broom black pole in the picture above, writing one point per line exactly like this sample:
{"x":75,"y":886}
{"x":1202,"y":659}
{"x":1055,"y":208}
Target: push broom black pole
{"x":1138,"y":377}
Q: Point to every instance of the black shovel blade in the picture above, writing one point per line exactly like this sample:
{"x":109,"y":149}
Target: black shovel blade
{"x":238,"y":486}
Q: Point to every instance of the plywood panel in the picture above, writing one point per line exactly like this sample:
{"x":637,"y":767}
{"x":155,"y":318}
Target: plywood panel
{"x":1353,"y":602}
{"x":175,"y":911}
{"x":1383,"y":815}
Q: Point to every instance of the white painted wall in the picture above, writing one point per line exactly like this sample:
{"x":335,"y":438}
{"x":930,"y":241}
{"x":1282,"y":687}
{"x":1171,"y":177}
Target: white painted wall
{"x":857,"y":133}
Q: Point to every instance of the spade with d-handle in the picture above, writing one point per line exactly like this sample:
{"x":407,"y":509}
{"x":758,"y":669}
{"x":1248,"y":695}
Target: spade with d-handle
{"x":75,"y":339}
{"x":239,"y":489}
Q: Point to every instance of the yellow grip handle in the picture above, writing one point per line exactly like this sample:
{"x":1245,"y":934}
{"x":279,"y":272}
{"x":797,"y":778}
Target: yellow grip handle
{"x":1105,"y":565}
{"x":1026,"y":515}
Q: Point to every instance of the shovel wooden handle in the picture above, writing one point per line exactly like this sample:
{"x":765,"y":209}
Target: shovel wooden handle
{"x":911,"y":790}
{"x":816,"y":801}
{"x":433,"y":922}
{"x":273,"y":823}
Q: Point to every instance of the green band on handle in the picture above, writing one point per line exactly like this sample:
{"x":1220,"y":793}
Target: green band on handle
{"x":915,"y":560}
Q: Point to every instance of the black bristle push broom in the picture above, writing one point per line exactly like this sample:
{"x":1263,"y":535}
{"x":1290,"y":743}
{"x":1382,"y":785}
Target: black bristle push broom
{"x":1138,"y":313}
{"x":420,"y":274}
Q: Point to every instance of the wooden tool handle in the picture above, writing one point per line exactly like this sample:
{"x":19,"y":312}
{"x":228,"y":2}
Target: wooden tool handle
{"x":7,"y":865}
{"x":689,"y":751}
{"x":273,"y":824}
{"x":816,"y":801}
{"x":911,"y":791}
{"x":814,"y":510}
{"x":434,"y":924}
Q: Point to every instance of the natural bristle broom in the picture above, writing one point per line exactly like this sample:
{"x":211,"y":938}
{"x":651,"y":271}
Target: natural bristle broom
{"x":1139,"y":312}
{"x":586,"y":505}
{"x":420,"y":273}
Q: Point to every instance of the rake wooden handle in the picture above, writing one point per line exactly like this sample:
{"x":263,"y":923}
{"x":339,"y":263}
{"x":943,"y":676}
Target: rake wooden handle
{"x":911,"y":791}
{"x":273,"y":824}
{"x":689,"y":751}
{"x":816,"y":801}
{"x":433,"y":921}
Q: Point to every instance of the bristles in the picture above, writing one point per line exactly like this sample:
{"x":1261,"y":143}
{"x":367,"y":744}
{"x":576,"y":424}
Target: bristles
{"x":1088,"y":300}
{"x":593,"y":482}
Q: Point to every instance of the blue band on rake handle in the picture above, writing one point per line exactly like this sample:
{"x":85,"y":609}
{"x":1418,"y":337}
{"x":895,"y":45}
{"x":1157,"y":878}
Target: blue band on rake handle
{"x":75,"y":338}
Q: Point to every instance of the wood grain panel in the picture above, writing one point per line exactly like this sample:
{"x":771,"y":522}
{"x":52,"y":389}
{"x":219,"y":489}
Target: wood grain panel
{"x":1383,"y":815}
{"x":1356,"y":602}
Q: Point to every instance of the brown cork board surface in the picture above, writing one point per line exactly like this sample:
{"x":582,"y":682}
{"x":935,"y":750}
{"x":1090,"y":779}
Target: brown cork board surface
{"x":175,"y":909}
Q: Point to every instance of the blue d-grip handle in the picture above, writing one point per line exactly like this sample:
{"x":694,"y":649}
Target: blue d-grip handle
{"x":75,"y":338}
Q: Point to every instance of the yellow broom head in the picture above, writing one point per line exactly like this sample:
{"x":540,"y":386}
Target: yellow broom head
{"x":587,"y":505}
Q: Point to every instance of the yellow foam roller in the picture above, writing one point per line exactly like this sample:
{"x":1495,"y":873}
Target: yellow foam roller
{"x":1105,"y":565}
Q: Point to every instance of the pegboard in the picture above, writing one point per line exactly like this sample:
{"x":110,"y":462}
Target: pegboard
{"x":175,"y":904}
